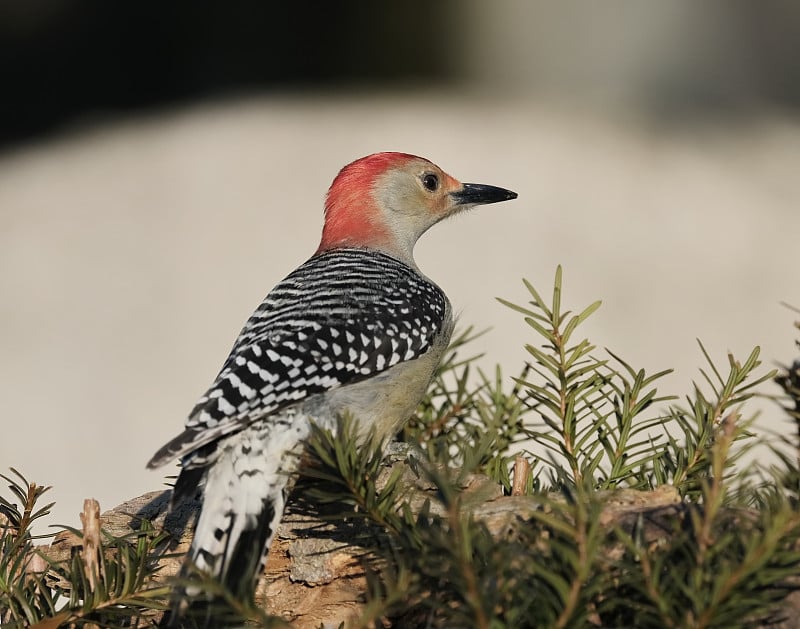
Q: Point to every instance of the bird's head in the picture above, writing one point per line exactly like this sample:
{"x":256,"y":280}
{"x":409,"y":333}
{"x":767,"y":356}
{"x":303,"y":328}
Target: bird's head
{"x":386,"y":201}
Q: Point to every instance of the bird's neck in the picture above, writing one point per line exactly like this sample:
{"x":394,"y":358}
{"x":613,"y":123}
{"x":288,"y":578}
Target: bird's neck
{"x":364,"y":231}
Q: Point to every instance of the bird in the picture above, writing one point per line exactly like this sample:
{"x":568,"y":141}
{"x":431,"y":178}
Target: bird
{"x":357,"y":329}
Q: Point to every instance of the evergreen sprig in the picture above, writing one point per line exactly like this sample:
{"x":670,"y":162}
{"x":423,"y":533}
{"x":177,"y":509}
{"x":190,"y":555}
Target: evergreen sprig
{"x":686,"y":464}
{"x":589,"y":423}
{"x":471,"y":426}
{"x":114,"y":589}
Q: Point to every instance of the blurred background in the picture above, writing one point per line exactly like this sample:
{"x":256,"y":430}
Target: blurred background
{"x":162,"y":165}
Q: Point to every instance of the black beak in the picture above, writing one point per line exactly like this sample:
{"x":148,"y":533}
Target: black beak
{"x":481,"y":194}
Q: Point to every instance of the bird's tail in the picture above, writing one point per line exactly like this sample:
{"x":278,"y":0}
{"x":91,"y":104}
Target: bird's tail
{"x":245,"y":491}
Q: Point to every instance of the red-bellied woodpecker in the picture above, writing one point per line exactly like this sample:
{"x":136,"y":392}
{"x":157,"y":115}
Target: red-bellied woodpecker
{"x":357,"y":329}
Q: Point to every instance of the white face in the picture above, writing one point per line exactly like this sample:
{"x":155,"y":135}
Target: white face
{"x":414,"y":197}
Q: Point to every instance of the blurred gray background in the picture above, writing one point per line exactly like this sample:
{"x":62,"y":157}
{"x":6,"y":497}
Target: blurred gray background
{"x":162,"y":166}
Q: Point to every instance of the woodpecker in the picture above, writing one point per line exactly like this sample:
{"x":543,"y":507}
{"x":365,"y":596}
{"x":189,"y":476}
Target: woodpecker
{"x":356,"y":329}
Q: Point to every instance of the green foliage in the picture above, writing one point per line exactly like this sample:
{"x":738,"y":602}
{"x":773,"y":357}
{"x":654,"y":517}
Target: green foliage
{"x":786,"y":449}
{"x":439,"y":567}
{"x":24,"y":597}
{"x":472,"y":426}
{"x":112,"y":590}
{"x":725,"y":553}
{"x":588,"y":412}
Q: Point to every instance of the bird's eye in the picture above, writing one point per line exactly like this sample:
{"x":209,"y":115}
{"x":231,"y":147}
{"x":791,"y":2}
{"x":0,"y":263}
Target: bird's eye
{"x":430,"y":181}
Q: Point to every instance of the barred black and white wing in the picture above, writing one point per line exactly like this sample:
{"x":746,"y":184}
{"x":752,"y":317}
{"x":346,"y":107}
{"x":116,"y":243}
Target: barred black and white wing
{"x":343,"y":316}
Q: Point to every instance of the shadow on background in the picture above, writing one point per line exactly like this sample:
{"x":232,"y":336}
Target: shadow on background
{"x":66,"y":59}
{"x":69,"y":60}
